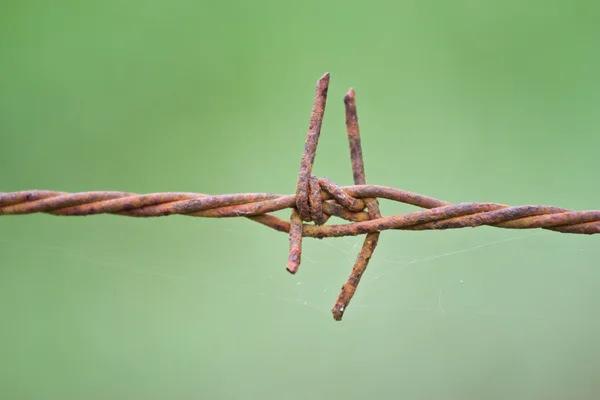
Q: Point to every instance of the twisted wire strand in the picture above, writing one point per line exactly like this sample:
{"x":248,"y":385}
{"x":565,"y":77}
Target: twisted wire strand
{"x":438,"y":214}
{"x":315,"y":200}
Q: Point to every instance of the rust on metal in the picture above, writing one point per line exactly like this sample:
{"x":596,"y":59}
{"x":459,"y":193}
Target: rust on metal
{"x":295,"y":242}
{"x":310,"y":148}
{"x":370,"y":243}
{"x":340,"y":196}
{"x":315,"y":201}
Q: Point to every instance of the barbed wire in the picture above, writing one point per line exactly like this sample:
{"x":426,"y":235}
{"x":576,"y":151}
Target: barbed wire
{"x":315,"y":200}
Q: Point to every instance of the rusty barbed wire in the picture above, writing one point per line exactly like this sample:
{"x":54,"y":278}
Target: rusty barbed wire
{"x":315,"y":200}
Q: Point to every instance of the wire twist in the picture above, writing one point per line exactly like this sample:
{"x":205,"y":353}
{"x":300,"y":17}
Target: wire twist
{"x":315,"y":200}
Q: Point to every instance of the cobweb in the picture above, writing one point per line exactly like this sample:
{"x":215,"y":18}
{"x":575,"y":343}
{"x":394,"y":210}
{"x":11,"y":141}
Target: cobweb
{"x":377,"y":287}
{"x":310,"y":293}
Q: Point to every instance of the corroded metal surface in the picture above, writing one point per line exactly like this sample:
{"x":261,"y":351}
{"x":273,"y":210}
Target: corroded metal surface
{"x":438,"y":214}
{"x":295,"y":242}
{"x":315,"y":200}
{"x":358,"y":172}
{"x":310,"y":148}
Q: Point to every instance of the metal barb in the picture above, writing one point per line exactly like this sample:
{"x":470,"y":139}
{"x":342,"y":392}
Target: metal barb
{"x":358,"y":171}
{"x":315,"y":200}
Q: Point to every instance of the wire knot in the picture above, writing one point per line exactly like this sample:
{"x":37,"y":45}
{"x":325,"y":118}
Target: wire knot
{"x":327,"y":198}
{"x":318,"y":199}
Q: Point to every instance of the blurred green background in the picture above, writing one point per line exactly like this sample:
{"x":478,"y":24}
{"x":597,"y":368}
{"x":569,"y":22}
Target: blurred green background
{"x":464,"y":101}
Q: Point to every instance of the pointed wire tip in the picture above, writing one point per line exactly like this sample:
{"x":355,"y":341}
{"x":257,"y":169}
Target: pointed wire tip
{"x":292,"y":269}
{"x":338,"y":311}
{"x":293,"y":263}
{"x":349,"y":97}
{"x":324,"y":77}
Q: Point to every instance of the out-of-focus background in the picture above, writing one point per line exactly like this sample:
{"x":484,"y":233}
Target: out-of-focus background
{"x":463,"y":101}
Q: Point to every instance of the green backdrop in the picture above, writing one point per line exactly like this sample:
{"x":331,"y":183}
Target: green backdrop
{"x":464,"y":101}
